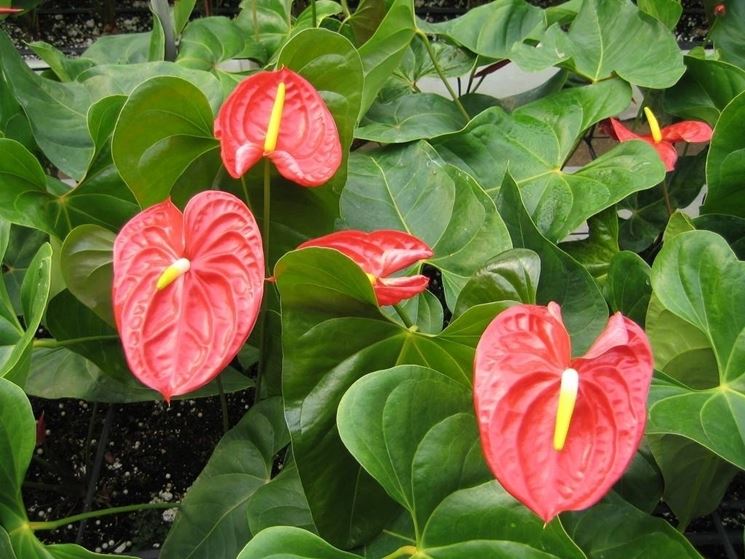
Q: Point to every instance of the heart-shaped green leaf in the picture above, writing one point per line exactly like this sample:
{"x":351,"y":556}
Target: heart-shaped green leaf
{"x":326,"y":298}
{"x":727,"y":32}
{"x":291,"y":543}
{"x":409,"y":188}
{"x":267,"y":22}
{"x":162,"y":116}
{"x":563,"y":279}
{"x":281,"y":502}
{"x":212,"y":519}
{"x":705,"y":89}
{"x":536,"y":140}
{"x":208,"y":41}
{"x":698,"y":279}
{"x":725,"y":166}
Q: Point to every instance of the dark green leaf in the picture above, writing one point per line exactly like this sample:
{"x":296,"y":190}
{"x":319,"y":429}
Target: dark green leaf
{"x":267,"y":22}
{"x":628,"y":287}
{"x":597,"y":250}
{"x":291,"y":543}
{"x":727,"y":32}
{"x":17,"y":442}
{"x":208,"y":41}
{"x":281,"y":502}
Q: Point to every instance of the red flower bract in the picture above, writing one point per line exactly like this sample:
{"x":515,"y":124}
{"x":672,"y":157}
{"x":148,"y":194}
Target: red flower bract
{"x":663,"y":139}
{"x":524,"y":374}
{"x":281,"y":116}
{"x":380,"y":254}
{"x":187,"y":289}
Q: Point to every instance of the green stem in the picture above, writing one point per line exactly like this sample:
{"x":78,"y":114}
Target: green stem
{"x":54,"y":524}
{"x":404,"y":316}
{"x":313,"y":11}
{"x":423,"y":36}
{"x":223,"y":406}
{"x":245,"y":190}
{"x":52,"y":343}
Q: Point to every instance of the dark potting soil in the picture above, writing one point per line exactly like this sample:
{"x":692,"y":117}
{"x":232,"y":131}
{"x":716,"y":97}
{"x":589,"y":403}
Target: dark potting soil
{"x":152,"y":453}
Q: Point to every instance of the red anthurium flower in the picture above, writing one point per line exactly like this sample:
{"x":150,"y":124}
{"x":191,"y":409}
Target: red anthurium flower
{"x":720,"y":10}
{"x":663,"y":139}
{"x":558,"y":432}
{"x":281,"y":116}
{"x":187,"y":289}
{"x":380,"y":254}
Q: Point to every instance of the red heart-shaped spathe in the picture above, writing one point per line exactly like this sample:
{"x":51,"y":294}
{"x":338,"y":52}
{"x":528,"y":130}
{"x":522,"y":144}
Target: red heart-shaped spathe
{"x":518,"y":369}
{"x":379,"y":254}
{"x":308,"y":149}
{"x":179,"y":338}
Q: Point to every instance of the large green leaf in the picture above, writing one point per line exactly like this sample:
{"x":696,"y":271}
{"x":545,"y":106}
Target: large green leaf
{"x":291,"y":543}
{"x":129,"y":48}
{"x":410,"y":117}
{"x":536,"y":140}
{"x":329,"y":62}
{"x":382,"y":53}
{"x":698,"y":279}
{"x":725,"y":166}
{"x":327,"y":298}
{"x":727,"y":32}
{"x":15,"y":348}
{"x":596,"y":251}
{"x":87,"y":267}
{"x":165,"y":125}
{"x":212,"y":519}
{"x":492,"y":30}
{"x":629,"y":288}
{"x":208,"y":41}
{"x":22,"y":244}
{"x":615,"y":529}
{"x":695,"y":478}
{"x":410,"y":188}
{"x":6,"y":550}
{"x":364,"y":21}
{"x":597,"y":46}
{"x":281,"y":502}
{"x":65,"y":68}
{"x":705,"y":89}
{"x":414,"y":430}
{"x":667,"y":11}
{"x":267,"y":22}
{"x":563,"y":279}
{"x":17,"y":442}
{"x":511,"y":276}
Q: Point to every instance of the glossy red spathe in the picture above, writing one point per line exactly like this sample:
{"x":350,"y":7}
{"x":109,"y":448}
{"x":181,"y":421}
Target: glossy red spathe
{"x":180,"y":333}
{"x":380,"y":254}
{"x":521,"y":361}
{"x":301,"y":140}
{"x":691,"y":131}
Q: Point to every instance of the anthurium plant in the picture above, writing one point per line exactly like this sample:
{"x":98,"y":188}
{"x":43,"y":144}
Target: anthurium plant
{"x":481,"y":325}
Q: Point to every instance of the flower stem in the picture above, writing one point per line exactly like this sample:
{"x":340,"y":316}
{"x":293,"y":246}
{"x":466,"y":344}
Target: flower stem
{"x":52,"y":343}
{"x":405,"y":551}
{"x":423,"y":36}
{"x":404,"y":316}
{"x":245,"y":190}
{"x":313,"y":11}
{"x":54,"y":524}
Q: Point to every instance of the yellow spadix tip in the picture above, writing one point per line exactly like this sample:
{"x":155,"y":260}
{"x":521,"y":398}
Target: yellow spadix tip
{"x":272,"y":131}
{"x":654,"y":126}
{"x":172,"y":273}
{"x":567,"y":401}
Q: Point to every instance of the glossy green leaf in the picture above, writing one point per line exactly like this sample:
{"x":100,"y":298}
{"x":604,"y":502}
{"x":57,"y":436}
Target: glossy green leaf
{"x":16,"y":347}
{"x":17,"y":442}
{"x":87,"y":267}
{"x":695,"y":478}
{"x":56,"y":112}
{"x":614,"y":529}
{"x":324,"y":10}
{"x":329,"y":62}
{"x":629,"y":287}
{"x":597,"y":46}
{"x":291,"y":543}
{"x":22,"y":244}
{"x":698,"y":279}
{"x":492,"y":30}
{"x":208,"y":41}
{"x":641,"y":483}
{"x":375,"y":422}
{"x":28,"y":197}
{"x":410,"y":188}
{"x":725,"y":166}
{"x":383,"y":52}
{"x":596,"y":251}
{"x":267,"y":22}
{"x":410,"y":117}
{"x":66,"y":69}
{"x":536,"y":140}
{"x":326,"y":298}
{"x":364,"y":21}
{"x":129,"y":48}
{"x":5,"y":548}
{"x":562,"y":280}
{"x":511,"y":276}
{"x":727,"y":31}
{"x":182,"y":10}
{"x":666,"y":11}
{"x":14,"y":123}
{"x":425,"y":311}
{"x":705,"y":89}
{"x":454,"y":62}
{"x":651,"y":209}
{"x":281,"y":502}
{"x":212,"y":519}
{"x":730,"y":227}
{"x":165,"y":125}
